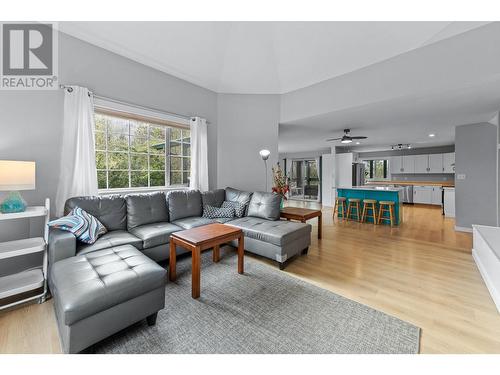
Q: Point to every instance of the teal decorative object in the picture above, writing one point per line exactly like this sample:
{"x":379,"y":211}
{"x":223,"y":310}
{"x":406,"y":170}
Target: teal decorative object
{"x":14,"y":202}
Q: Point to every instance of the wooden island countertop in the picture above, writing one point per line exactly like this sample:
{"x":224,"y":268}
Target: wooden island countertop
{"x":418,"y":183}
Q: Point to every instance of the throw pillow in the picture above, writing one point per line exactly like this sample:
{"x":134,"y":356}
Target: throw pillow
{"x":239,"y":208}
{"x":265,"y":205}
{"x":83,"y":225}
{"x":212,"y":212}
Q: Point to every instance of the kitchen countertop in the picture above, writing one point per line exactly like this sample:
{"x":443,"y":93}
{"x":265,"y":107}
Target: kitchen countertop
{"x":418,"y":183}
{"x":371,"y":188}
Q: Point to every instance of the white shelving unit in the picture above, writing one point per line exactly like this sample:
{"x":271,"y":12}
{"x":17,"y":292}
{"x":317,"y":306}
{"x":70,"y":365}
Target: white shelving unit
{"x":25,"y":281}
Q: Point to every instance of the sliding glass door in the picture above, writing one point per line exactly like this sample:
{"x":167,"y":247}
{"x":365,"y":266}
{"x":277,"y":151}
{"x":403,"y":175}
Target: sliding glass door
{"x":304,"y":179}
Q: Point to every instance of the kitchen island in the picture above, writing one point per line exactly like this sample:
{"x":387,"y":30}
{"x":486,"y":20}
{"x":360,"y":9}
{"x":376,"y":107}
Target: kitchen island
{"x":379,"y":193}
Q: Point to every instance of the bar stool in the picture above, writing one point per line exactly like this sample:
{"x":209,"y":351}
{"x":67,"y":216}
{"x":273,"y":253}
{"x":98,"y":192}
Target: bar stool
{"x":386,"y":207}
{"x":353,"y":204}
{"x":369,"y":204}
{"x":339,"y":201}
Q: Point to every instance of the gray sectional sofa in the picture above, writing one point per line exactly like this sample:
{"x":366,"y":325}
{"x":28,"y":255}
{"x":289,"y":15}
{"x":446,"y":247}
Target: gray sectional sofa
{"x":122,"y":262}
{"x":146,"y":222}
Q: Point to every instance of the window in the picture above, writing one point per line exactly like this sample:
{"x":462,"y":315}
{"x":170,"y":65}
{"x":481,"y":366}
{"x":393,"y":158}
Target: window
{"x":131,"y":153}
{"x":376,"y":169}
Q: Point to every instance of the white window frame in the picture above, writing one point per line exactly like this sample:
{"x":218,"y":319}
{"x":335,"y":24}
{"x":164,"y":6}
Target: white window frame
{"x":108,"y":105}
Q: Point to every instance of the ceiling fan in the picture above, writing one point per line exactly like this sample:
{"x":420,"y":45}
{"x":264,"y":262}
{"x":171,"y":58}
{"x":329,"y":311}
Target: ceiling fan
{"x":346,"y":138}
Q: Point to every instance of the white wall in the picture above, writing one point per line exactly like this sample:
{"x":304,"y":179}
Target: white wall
{"x":343,"y":170}
{"x":446,"y":65}
{"x":246,"y":124}
{"x":327,"y":179}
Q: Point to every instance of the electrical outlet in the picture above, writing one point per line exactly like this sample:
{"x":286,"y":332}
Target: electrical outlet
{"x":461,"y":176}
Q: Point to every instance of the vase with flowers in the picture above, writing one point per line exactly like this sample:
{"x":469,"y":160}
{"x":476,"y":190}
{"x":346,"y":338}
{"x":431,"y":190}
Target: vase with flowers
{"x":280,"y":183}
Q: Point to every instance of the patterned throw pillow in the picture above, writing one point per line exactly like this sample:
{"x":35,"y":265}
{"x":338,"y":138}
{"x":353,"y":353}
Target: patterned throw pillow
{"x":212,"y":212}
{"x":83,"y":225}
{"x":239,"y":208}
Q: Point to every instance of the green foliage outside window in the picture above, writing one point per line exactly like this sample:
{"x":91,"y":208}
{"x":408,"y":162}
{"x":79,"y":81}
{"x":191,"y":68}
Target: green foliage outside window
{"x":134,"y":154}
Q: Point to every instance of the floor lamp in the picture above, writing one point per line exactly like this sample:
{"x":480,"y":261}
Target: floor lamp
{"x":264,"y":154}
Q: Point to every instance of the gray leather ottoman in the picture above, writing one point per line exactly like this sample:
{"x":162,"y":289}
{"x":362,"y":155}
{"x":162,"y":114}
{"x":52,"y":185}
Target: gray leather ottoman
{"x":100,"y":293}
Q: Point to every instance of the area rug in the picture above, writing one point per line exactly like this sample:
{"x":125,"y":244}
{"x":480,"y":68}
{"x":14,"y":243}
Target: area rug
{"x":263,"y":311}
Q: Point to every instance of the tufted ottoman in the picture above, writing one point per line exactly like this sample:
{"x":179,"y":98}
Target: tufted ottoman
{"x":100,"y":293}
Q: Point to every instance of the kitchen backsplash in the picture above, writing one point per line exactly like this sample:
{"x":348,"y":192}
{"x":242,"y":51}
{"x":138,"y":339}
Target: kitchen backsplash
{"x":423,"y":177}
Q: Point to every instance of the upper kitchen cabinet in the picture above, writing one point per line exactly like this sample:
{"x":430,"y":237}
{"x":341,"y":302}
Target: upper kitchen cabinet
{"x":421,"y":163}
{"x":402,"y":164}
{"x":396,"y":164}
{"x":449,"y":162}
{"x":435,"y":163}
{"x":409,"y":164}
{"x":432,"y":163}
{"x":424,"y":164}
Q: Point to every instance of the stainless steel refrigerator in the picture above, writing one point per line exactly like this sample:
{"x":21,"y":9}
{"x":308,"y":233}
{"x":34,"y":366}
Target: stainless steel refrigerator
{"x":358,"y":174}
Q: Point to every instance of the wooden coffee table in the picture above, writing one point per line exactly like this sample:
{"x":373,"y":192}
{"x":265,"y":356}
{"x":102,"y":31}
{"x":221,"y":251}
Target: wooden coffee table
{"x":302,"y":215}
{"x":201,"y":238}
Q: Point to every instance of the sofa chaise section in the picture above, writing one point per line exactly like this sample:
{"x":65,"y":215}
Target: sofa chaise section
{"x":268,"y":236}
{"x":99,"y":293}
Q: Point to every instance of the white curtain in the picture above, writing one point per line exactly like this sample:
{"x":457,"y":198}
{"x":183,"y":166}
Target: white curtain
{"x":199,"y":154}
{"x":78,"y":174}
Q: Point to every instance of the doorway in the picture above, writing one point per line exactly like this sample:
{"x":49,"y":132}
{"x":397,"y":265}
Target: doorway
{"x":304,"y":179}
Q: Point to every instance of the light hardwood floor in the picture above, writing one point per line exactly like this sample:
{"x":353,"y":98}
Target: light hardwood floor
{"x":421,"y":272}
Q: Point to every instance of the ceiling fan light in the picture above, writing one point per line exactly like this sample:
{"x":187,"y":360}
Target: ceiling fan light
{"x":346,"y":141}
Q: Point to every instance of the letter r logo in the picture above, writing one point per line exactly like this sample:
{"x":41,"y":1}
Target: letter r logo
{"x":27,"y":49}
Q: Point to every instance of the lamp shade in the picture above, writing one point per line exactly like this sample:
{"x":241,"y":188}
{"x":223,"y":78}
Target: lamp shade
{"x":264,"y":154}
{"x":17,"y":175}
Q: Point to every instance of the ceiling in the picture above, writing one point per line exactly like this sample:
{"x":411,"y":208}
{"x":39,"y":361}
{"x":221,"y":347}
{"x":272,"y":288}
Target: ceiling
{"x":404,"y":120}
{"x":261,"y":57}
{"x":280,"y":57}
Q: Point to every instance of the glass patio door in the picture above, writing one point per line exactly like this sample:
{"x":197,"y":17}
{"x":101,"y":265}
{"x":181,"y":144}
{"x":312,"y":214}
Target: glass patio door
{"x":304,"y":179}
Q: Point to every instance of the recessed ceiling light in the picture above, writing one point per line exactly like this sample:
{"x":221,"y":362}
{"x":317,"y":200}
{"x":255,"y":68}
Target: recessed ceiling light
{"x":432,"y":135}
{"x":358,"y":143}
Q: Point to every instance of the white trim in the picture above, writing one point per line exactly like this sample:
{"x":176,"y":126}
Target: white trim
{"x":463,"y":229}
{"x":118,"y":106}
{"x":141,"y":190}
{"x":494,"y":293}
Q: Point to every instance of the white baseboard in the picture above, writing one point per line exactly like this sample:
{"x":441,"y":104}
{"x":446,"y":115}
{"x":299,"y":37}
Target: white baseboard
{"x":494,"y":293}
{"x":463,"y":229}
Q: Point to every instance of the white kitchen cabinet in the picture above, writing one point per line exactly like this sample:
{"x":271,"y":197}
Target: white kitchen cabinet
{"x":422,"y":194}
{"x":396,"y":165}
{"x":437,"y":195}
{"x":432,"y":163}
{"x":421,"y":163}
{"x":435,"y":163}
{"x":427,"y":195}
{"x":408,"y":164}
{"x":449,"y":162}
{"x":449,"y":202}
{"x":402,"y":164}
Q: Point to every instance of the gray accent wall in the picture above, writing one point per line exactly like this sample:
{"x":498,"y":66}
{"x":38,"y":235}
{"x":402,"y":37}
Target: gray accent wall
{"x":30,"y":127}
{"x":31,"y":121}
{"x":476,"y":158}
{"x":246,"y":125}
